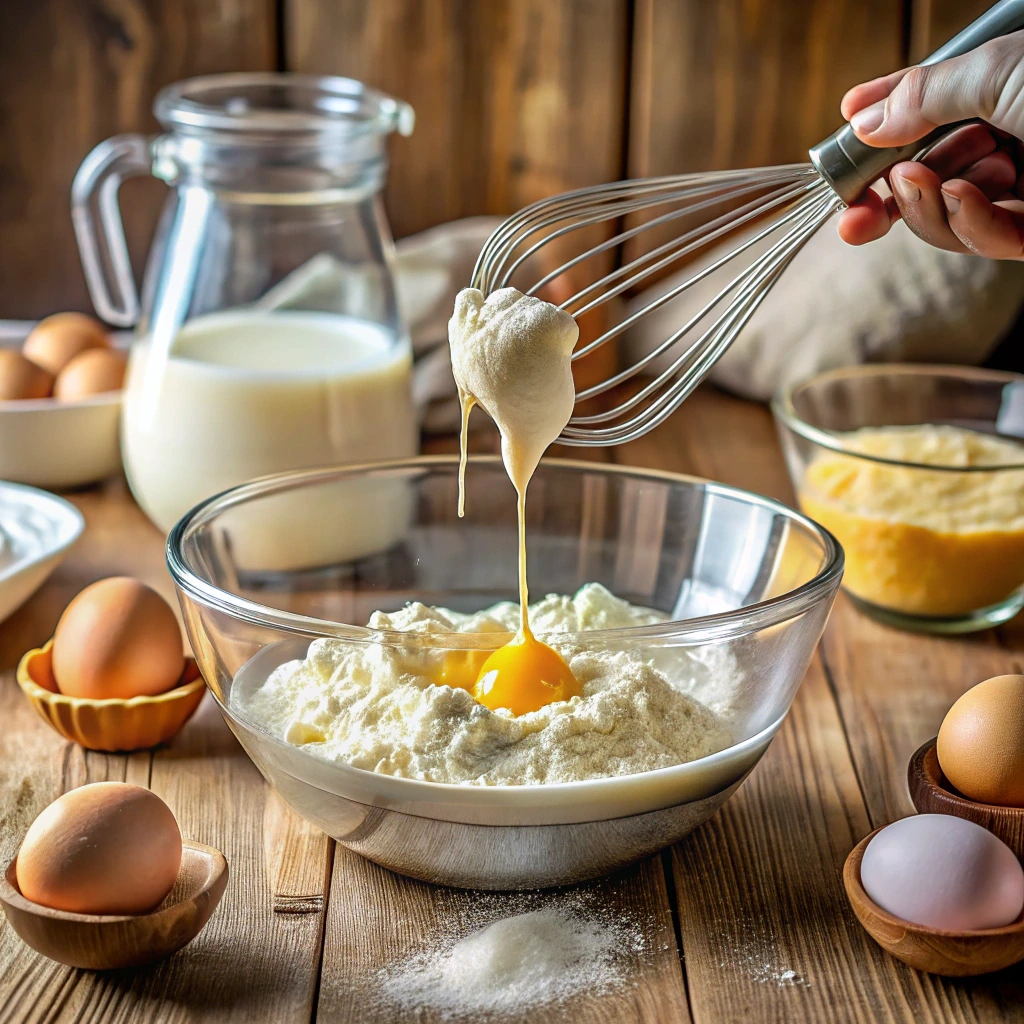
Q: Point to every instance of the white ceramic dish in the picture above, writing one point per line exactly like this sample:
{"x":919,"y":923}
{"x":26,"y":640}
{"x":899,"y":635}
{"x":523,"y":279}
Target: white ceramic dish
{"x":36,"y":530}
{"x":54,"y":444}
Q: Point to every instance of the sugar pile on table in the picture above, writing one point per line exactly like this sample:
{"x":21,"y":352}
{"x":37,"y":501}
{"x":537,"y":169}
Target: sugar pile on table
{"x":511,"y":965}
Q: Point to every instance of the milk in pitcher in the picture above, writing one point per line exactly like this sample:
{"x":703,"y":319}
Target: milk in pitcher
{"x":246,"y":393}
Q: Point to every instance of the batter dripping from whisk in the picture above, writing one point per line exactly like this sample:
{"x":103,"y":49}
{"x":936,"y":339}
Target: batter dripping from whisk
{"x":511,"y":355}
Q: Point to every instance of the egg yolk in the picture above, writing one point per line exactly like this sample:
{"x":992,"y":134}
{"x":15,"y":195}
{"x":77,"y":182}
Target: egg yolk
{"x":525,"y":675}
{"x":460,"y":669}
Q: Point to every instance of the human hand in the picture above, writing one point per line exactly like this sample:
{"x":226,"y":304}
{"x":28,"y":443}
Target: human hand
{"x":966,"y":195}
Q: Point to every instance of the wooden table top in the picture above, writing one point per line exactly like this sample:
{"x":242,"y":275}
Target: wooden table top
{"x":746,"y":918}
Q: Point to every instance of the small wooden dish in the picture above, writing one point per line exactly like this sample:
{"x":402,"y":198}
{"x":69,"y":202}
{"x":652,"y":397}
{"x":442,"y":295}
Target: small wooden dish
{"x":101,"y":942}
{"x":932,"y":793}
{"x":953,"y":954}
{"x":113,"y":724}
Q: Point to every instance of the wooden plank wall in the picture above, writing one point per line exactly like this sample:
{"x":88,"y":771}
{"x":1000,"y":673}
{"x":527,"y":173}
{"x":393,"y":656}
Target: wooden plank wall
{"x":748,"y":83}
{"x":72,"y":73}
{"x":516,"y":99}
{"x":932,"y":22}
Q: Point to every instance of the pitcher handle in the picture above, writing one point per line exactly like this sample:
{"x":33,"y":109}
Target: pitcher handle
{"x":96,"y":216}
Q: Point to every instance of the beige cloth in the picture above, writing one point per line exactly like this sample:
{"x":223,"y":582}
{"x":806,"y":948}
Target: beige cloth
{"x":895,"y":300}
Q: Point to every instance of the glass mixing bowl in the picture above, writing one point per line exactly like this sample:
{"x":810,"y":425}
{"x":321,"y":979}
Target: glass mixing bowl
{"x":746,"y":585}
{"x":931,"y":548}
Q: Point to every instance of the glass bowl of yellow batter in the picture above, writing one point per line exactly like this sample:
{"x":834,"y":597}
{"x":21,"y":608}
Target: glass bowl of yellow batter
{"x":919,"y":473}
{"x":341,"y":615}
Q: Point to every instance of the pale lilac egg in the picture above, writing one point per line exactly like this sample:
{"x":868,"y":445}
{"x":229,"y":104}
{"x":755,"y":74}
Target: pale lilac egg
{"x":943,"y":872}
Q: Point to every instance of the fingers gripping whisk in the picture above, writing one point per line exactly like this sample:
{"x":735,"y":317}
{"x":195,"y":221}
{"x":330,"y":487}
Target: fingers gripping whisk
{"x":730,"y":236}
{"x":758,"y":218}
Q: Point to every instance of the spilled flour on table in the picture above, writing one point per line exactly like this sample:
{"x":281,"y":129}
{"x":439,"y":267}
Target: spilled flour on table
{"x":753,"y":957}
{"x":766,"y":973}
{"x":553,"y":950}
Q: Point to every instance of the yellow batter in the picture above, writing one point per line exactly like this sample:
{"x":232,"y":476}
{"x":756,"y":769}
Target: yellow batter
{"x":935,"y":543}
{"x":511,"y":355}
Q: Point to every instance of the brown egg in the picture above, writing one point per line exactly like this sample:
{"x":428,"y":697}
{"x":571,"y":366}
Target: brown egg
{"x":55,"y":341}
{"x":981,"y":742}
{"x":21,"y":378}
{"x":117,"y":638}
{"x":106,"y":848}
{"x":91,"y":373}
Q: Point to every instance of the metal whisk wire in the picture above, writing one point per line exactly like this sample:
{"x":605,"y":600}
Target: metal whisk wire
{"x":794,"y":196}
{"x":794,"y":200}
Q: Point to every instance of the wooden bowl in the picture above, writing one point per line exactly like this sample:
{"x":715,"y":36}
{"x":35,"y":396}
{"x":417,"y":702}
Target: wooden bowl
{"x":932,"y":793}
{"x":113,"y":724}
{"x":953,"y":954}
{"x":101,"y":942}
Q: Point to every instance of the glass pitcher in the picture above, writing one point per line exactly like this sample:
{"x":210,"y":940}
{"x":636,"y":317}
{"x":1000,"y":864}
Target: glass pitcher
{"x":268,"y":335}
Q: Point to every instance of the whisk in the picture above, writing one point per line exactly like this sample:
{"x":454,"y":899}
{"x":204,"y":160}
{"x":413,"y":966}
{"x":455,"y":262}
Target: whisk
{"x":777,"y":209}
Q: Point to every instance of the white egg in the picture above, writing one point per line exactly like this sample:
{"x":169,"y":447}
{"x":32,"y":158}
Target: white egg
{"x":943,"y":872}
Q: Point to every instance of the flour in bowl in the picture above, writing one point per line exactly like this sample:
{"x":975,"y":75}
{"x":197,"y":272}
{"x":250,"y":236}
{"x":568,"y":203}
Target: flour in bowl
{"x":378,"y":707}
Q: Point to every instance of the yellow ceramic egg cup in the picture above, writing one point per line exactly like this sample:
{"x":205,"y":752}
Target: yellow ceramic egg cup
{"x":115,"y":723}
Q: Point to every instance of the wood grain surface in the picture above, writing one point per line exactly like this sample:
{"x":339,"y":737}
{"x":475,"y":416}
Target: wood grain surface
{"x":72,"y":73}
{"x":748,"y":922}
{"x":932,"y":22}
{"x":378,"y":921}
{"x":515,"y":99}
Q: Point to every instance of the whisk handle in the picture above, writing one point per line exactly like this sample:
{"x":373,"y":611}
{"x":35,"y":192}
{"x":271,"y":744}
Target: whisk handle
{"x":850,"y":166}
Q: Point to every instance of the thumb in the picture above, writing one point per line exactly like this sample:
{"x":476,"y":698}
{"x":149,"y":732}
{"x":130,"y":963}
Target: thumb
{"x":987,"y":83}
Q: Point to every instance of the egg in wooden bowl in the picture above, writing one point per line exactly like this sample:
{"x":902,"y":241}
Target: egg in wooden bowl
{"x":60,"y":403}
{"x":974,"y":768}
{"x":114,"y":677}
{"x":103,"y":879}
{"x":940,"y":893}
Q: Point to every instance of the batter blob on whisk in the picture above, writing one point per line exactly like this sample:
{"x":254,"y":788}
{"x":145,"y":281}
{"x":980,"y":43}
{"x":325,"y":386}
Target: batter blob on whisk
{"x":512,"y":356}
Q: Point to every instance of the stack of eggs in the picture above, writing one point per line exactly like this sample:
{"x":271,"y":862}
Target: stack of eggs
{"x":944,"y":871}
{"x":67,"y":356}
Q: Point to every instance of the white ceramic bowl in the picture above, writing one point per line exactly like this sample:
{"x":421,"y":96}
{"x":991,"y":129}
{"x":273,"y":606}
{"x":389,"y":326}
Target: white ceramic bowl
{"x":47,"y":443}
{"x":36,"y":530}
